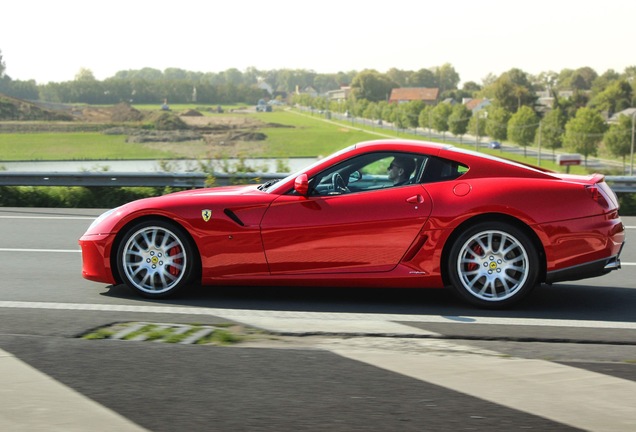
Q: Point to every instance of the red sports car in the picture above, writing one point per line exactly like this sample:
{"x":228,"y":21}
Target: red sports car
{"x":388,"y":213}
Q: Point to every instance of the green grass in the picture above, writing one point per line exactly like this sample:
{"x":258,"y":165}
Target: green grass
{"x":73,"y":146}
{"x":309,"y":137}
{"x":306,"y":135}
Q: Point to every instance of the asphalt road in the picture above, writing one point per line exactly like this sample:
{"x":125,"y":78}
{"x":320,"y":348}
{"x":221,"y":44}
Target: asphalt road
{"x":328,"y":381}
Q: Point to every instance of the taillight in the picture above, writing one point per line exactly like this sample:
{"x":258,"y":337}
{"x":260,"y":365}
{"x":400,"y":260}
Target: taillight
{"x":599,"y":195}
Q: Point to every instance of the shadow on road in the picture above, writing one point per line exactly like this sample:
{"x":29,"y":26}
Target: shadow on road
{"x":574,"y":302}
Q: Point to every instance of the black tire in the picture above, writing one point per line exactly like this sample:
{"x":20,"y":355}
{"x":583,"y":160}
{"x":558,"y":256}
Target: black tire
{"x":156,"y":259}
{"x":493,"y":265}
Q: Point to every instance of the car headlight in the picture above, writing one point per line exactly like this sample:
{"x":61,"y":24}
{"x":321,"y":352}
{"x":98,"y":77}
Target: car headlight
{"x":100,"y":218}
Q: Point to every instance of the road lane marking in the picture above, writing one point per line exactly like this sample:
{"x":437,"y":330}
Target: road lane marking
{"x":242,"y":315}
{"x":41,"y":250}
{"x":577,"y":397}
{"x":51,"y":217}
{"x":39,"y":402}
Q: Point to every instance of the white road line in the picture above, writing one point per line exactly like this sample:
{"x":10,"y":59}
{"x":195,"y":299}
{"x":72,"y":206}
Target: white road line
{"x":246,"y":315}
{"x":41,"y":250}
{"x":51,"y":217}
{"x":583,"y":399}
{"x":38,"y":402}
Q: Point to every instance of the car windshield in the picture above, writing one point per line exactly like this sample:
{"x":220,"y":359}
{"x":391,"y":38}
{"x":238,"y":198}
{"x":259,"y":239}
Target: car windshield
{"x":273,"y":185}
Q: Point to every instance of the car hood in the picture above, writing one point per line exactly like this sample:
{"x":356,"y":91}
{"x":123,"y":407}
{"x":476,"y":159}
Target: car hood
{"x":182,"y":206}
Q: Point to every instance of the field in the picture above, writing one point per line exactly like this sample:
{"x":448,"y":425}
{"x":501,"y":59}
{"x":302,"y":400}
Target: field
{"x":239,"y":132}
{"x":282,"y":134}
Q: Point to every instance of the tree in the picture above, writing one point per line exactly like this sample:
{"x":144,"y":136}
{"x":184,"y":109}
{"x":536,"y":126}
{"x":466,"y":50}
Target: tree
{"x":422,"y":78}
{"x":84,"y":74}
{"x":584,"y":132}
{"x":512,"y":90}
{"x":389,"y":112}
{"x":471,"y":86}
{"x":552,"y":129}
{"x":497,"y":124}
{"x":477,"y":124}
{"x":2,"y":66}
{"x":411,"y":111}
{"x":579,"y":79}
{"x":400,"y":77}
{"x":522,"y":127}
{"x":425,"y":118}
{"x":372,"y":111}
{"x":616,"y":97}
{"x":440,"y":115}
{"x":458,"y":120}
{"x":372,"y":86}
{"x":602,"y":82}
{"x":447,"y":77}
{"x":618,"y":139}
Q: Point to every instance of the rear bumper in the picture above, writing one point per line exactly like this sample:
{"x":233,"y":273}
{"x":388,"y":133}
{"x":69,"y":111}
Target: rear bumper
{"x":584,"y":271}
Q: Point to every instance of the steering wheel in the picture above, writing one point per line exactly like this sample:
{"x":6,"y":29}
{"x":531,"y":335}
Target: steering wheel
{"x":339,"y":185}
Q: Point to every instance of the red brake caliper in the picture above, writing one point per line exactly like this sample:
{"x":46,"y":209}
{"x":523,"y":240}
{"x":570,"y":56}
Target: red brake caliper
{"x":474,"y":266}
{"x":175,"y":251}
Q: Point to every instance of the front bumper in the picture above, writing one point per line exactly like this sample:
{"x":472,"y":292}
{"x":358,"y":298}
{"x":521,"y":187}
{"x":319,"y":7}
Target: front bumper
{"x":96,"y":265}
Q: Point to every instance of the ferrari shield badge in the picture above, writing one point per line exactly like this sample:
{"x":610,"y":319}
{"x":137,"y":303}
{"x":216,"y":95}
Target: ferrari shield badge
{"x":206,"y":214}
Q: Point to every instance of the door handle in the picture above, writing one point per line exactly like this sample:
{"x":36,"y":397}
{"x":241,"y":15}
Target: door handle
{"x":415,"y":199}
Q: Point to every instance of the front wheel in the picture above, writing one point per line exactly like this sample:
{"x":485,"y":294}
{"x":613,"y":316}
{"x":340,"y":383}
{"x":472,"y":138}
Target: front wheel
{"x":493,"y":265}
{"x":156,"y":259}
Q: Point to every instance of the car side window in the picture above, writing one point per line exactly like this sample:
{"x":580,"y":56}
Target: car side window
{"x":438,"y":169}
{"x":368,"y":173}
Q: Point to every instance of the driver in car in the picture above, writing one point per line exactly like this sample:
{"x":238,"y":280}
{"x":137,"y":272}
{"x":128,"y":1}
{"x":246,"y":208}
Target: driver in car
{"x":400,"y":170}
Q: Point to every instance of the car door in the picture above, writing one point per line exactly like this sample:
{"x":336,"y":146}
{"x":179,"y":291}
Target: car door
{"x":365,"y":231}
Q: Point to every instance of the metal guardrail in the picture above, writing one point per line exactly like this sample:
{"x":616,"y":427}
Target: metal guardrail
{"x":154,"y":179}
{"x":619,"y":184}
{"x":625,"y":184}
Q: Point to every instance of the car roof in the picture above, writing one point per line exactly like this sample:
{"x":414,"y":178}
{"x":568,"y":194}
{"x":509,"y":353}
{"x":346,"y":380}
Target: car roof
{"x":404,"y":144}
{"x":481,"y":164}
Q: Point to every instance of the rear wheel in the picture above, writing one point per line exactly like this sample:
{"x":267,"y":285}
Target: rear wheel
{"x":156,"y":259}
{"x":493,"y":265}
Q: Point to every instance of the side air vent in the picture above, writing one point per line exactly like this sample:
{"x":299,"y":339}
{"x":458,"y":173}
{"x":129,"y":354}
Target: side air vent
{"x":229,"y":213}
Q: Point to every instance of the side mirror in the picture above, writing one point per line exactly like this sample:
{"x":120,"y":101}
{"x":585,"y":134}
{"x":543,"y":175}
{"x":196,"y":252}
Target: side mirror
{"x":301,"y":185}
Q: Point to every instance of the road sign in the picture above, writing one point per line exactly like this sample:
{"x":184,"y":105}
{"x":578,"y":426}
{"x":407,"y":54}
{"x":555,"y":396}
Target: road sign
{"x":569,"y":159}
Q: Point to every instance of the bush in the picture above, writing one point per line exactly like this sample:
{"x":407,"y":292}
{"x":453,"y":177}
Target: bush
{"x":109,"y":197}
{"x":627,"y":202}
{"x":74,"y":197}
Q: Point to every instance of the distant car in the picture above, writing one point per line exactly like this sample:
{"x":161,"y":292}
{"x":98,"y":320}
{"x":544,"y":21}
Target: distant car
{"x":495,"y":145}
{"x":488,"y":228}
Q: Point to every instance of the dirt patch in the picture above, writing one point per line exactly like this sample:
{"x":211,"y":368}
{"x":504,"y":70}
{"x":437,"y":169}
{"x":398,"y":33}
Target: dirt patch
{"x":191,"y":113}
{"x":120,"y":113}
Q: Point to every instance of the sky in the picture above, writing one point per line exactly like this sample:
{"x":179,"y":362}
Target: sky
{"x":50,"y":41}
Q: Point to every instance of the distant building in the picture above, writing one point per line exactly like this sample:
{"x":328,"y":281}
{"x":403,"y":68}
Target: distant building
{"x":339,"y":95}
{"x":407,"y":94}
{"x":629,"y":112}
{"x":265,"y":86}
{"x":545,"y":100}
{"x":307,"y":90}
{"x":476,"y":105}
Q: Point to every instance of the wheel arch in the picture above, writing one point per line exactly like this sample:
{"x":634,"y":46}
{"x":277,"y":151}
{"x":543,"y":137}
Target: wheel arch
{"x":124,"y":229}
{"x":492,"y":217}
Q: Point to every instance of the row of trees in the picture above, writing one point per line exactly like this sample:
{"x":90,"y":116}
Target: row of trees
{"x":576,"y":120}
